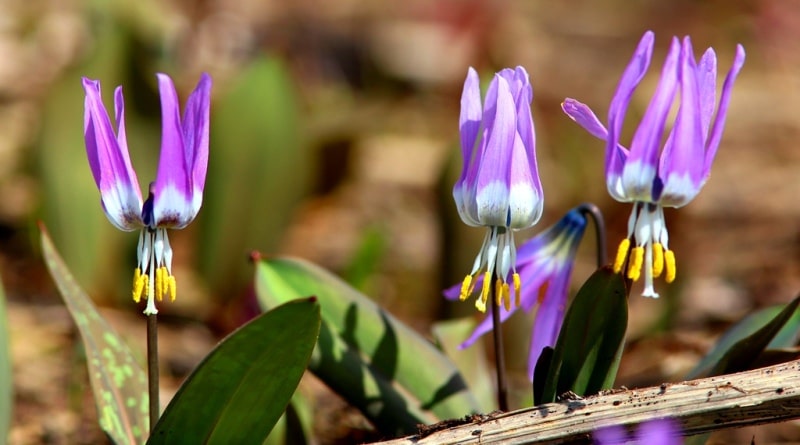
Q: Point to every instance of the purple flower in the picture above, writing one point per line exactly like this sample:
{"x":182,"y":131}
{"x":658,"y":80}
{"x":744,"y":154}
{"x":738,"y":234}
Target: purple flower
{"x":177,"y":193}
{"x":499,"y":185}
{"x":544,"y":263}
{"x":654,"y":432}
{"x":654,"y":174}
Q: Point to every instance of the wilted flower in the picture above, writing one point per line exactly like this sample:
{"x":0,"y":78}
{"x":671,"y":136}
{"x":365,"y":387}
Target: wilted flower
{"x":499,"y":185}
{"x":651,"y":176}
{"x":544,"y":263}
{"x":654,"y":432}
{"x":177,"y":193}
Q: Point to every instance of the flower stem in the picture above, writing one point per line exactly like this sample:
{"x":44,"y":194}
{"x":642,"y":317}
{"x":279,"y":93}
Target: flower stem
{"x":152,"y":368}
{"x":590,"y":210}
{"x":499,"y":352}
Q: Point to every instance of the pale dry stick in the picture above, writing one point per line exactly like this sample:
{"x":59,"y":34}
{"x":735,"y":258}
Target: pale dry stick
{"x":764,"y":395}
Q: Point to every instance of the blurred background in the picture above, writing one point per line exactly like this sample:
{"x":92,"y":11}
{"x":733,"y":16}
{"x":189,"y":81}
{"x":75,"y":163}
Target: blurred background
{"x":335,"y":138}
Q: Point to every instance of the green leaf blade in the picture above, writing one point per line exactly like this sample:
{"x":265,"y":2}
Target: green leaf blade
{"x":385,"y":357}
{"x":243,"y":386}
{"x":589,"y":346}
{"x":119,"y":383}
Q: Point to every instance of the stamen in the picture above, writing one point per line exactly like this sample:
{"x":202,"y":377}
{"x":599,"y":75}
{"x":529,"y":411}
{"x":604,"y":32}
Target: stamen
{"x":622,"y":254}
{"x":487,"y":281}
{"x":517,"y":288}
{"x":669,"y":259}
{"x":658,"y":259}
{"x":506,"y":297}
{"x":159,"y":287}
{"x":635,"y":265}
{"x":139,"y":284}
{"x":466,"y":288}
{"x":173,"y":288}
{"x":498,"y":292}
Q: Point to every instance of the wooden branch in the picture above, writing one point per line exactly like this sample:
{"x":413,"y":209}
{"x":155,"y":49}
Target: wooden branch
{"x":764,"y":395}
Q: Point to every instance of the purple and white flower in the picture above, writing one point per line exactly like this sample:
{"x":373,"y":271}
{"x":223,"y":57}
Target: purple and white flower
{"x":499,"y":185}
{"x":544,"y":264}
{"x":661,"y":169}
{"x":175,"y":196}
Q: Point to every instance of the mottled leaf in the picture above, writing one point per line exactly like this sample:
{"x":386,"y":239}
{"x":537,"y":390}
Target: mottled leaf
{"x":238,"y":392}
{"x":118,"y":382}
{"x":392,"y":374}
{"x":589,"y":346}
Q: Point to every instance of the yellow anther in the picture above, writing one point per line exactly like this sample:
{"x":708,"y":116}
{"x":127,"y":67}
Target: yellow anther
{"x":506,"y":296}
{"x":517,"y":288}
{"x":669,"y":259}
{"x":622,"y":254}
{"x":658,"y":259}
{"x":498,"y":292}
{"x":173,"y":288}
{"x":159,"y":285}
{"x":466,"y":288}
{"x":480,"y":304}
{"x":635,"y":265}
{"x":139,"y":284}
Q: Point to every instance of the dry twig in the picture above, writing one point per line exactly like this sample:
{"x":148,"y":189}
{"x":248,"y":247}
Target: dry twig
{"x":764,"y":395}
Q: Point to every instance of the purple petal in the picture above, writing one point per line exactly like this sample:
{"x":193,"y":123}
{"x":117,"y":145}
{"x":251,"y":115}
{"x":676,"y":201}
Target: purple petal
{"x":486,"y":325}
{"x":549,"y":317}
{"x":681,"y":166}
{"x":492,"y":180}
{"x":585,"y":117}
{"x":719,"y":121}
{"x":109,"y":160}
{"x":195,"y":129}
{"x":640,"y":168}
{"x":470,"y":120}
{"x":637,"y":67}
{"x":707,"y":80}
{"x":614,"y":434}
{"x":659,"y":432}
{"x":184,"y":156}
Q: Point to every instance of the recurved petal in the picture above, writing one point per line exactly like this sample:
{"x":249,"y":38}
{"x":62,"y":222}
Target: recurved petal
{"x":707,"y":84}
{"x":549,"y":316}
{"x":173,"y":189}
{"x":719,"y":120}
{"x":585,"y":117}
{"x":109,"y":160}
{"x":640,"y":168}
{"x":681,"y":167}
{"x":195,"y":130}
{"x":633,"y":74}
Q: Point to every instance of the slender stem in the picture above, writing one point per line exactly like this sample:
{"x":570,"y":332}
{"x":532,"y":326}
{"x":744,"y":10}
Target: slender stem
{"x":592,"y":211}
{"x":499,"y":352}
{"x":152,"y":368}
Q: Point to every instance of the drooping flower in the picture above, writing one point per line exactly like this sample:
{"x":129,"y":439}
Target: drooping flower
{"x":654,"y":432}
{"x":174,"y":197}
{"x":654,"y":174}
{"x":544,"y":264}
{"x":499,"y":186}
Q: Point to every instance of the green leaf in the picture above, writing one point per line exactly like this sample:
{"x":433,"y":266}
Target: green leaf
{"x":394,"y":376}
{"x":119,"y":383}
{"x":6,"y":386}
{"x":242,"y":387}
{"x":589,"y":346}
{"x":786,"y":337}
{"x":258,"y":148}
{"x":471,"y":361}
{"x":739,"y":349}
